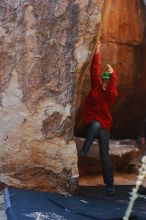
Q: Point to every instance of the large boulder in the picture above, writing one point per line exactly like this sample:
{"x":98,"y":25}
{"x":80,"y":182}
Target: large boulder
{"x":44,"y":48}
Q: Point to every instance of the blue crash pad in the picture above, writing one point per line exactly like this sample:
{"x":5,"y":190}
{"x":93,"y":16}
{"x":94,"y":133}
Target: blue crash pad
{"x":91,"y":203}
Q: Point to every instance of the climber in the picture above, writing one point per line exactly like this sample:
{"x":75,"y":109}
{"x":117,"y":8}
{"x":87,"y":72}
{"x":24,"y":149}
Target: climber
{"x":97,"y":117}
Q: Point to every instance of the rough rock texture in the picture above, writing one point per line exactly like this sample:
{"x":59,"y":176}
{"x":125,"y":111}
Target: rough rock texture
{"x":122,"y":34}
{"x":122,"y":154}
{"x":44,"y":45}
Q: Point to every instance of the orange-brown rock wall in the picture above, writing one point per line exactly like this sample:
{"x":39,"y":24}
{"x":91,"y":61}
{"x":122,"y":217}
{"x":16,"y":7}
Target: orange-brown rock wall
{"x":123,"y":46}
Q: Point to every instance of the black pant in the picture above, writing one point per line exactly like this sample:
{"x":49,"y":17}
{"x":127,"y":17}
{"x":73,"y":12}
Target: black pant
{"x":95,"y":131}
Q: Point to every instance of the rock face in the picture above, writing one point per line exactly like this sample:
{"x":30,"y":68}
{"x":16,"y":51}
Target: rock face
{"x":43,"y":46}
{"x":122,"y":34}
{"x":45,"y":53}
{"x":122,"y":37}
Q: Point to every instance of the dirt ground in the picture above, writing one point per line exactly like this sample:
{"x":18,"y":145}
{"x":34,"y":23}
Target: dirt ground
{"x":119,"y":179}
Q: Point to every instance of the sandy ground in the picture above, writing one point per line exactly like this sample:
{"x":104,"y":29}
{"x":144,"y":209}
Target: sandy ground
{"x":2,"y":211}
{"x":119,"y":178}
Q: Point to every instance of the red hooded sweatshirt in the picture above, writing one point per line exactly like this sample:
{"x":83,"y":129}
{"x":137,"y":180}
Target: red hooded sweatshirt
{"x":99,"y":102}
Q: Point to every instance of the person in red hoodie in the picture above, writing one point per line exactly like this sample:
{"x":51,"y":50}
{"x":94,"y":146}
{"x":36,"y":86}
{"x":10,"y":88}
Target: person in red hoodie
{"x":97,"y":117}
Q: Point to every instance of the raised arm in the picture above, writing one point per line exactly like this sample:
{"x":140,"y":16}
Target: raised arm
{"x":113,"y":79}
{"x":95,"y":67}
{"x":112,"y":86}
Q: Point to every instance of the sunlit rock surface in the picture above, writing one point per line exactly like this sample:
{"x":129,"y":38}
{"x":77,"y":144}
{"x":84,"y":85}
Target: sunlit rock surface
{"x":43,"y":46}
